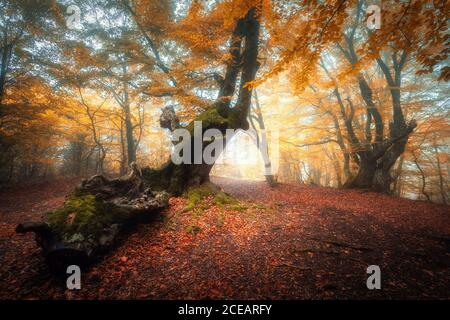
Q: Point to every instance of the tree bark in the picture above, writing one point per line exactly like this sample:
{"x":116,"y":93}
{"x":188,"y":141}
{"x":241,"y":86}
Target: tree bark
{"x":6,"y":56}
{"x":131,"y":150}
{"x":375,"y":165}
{"x":262,"y":143}
{"x":422,"y":174}
{"x":123,"y":159}
{"x":441,"y":179}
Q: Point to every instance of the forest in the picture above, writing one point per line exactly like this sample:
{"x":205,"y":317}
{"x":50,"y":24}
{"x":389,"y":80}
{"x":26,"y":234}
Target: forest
{"x":224,"y":149}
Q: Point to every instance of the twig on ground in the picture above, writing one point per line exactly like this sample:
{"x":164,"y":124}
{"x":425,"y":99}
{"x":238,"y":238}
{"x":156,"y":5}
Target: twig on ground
{"x":341,"y":244}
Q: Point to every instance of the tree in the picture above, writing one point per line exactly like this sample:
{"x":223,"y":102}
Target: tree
{"x":117,"y":201}
{"x":393,"y":49}
{"x":261,"y":142}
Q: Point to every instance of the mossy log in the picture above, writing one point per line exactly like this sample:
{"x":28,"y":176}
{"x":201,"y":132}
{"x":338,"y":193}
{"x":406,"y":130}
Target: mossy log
{"x":92,"y":217}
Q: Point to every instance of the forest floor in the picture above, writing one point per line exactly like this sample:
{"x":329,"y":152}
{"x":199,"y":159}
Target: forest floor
{"x":291,"y":242}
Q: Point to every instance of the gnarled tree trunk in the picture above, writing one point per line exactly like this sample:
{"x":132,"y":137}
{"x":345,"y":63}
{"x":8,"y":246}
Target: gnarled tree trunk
{"x":375,"y":166}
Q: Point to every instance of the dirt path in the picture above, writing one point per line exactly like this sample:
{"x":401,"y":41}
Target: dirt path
{"x":292,"y":242}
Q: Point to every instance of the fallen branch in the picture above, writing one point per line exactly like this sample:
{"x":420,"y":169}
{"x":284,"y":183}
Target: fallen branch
{"x":342,"y":244}
{"x":316,"y":251}
{"x":293,"y":266}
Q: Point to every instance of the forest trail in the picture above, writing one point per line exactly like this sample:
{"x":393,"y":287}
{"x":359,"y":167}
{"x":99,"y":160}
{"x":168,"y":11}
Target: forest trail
{"x":291,"y":242}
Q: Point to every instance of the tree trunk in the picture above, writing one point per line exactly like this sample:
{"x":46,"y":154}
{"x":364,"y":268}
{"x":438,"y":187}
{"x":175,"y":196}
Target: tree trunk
{"x":382,"y":178}
{"x":376,"y":164}
{"x":422,"y":174}
{"x":262,"y":144}
{"x":441,"y":179}
{"x":375,"y":173}
{"x":123,"y":153}
{"x":6,"y":56}
{"x":131,"y":150}
{"x":365,"y":175}
{"x":337,"y":169}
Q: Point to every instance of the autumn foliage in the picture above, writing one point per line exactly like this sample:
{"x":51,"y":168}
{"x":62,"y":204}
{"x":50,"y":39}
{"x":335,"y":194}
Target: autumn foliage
{"x":355,"y":94}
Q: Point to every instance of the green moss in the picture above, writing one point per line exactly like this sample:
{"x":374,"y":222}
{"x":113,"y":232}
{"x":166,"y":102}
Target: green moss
{"x":239,"y":207}
{"x":170,"y":223}
{"x":208,"y":118}
{"x":220,"y":220}
{"x":259,"y":206}
{"x":84,"y":214}
{"x":195,"y":196}
{"x":222,"y":198}
{"x":193,"y":229}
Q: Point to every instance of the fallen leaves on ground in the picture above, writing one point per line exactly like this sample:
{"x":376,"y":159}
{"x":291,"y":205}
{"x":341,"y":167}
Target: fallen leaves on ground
{"x":290,"y":242}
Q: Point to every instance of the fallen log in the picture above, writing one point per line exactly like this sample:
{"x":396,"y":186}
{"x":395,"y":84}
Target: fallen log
{"x":92,"y":217}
